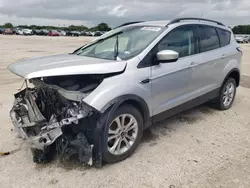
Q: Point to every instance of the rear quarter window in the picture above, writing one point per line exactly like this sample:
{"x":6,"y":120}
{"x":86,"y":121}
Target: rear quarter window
{"x":224,"y":36}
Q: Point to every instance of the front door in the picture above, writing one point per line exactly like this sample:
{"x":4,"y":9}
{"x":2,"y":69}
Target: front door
{"x":171,"y":82}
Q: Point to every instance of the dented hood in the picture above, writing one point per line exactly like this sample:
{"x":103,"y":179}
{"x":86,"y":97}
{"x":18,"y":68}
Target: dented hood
{"x":66,"y":64}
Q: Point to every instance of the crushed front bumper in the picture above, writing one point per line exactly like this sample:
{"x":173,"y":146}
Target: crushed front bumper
{"x":40,"y":133}
{"x":40,"y":141}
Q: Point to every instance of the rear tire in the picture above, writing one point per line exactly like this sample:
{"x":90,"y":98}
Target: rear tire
{"x":227,"y":95}
{"x":120,"y":141}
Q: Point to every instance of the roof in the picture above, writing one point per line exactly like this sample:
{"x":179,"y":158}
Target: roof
{"x":163,"y":23}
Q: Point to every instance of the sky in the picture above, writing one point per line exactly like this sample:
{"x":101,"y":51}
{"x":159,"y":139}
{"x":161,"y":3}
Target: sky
{"x":116,"y":12}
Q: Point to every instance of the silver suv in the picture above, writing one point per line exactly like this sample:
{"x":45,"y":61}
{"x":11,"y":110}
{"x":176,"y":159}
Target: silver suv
{"x":95,"y":103}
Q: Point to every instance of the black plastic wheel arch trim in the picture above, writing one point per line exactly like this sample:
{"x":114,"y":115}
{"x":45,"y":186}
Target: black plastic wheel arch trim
{"x":233,"y":70}
{"x":115,"y":103}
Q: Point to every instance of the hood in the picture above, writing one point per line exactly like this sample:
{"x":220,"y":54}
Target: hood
{"x":65,"y":64}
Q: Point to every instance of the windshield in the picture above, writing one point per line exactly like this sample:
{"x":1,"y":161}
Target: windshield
{"x":122,"y":43}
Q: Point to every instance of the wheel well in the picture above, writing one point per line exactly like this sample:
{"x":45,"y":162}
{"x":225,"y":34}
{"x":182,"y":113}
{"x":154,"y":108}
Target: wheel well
{"x":141,"y":108}
{"x":236,"y":75}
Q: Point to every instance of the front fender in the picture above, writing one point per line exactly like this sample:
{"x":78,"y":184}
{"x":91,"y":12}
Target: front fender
{"x":102,"y":97}
{"x":117,"y":86}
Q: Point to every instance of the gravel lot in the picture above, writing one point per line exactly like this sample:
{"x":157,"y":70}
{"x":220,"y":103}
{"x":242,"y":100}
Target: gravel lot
{"x":199,"y":148}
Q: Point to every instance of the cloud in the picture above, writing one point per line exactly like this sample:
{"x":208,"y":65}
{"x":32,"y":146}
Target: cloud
{"x":115,"y":12}
{"x":118,"y":11}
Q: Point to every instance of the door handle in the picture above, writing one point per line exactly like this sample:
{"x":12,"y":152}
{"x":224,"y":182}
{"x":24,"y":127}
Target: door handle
{"x":223,"y":56}
{"x":193,"y":64}
{"x":145,"y":81}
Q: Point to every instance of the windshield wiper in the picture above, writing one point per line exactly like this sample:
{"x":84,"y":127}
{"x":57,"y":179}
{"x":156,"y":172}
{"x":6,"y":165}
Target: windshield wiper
{"x":78,"y":49}
{"x":116,"y":47}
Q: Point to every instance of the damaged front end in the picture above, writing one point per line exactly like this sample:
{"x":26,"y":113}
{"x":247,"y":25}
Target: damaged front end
{"x":52,"y":118}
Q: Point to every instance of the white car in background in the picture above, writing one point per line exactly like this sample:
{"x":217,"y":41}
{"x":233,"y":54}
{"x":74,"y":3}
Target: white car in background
{"x":62,"y":33}
{"x":19,"y":31}
{"x":27,"y":32}
{"x":242,"y":39}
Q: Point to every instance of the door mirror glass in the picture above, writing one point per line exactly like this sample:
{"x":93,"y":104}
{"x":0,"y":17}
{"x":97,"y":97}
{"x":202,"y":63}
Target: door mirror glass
{"x":167,"y":56}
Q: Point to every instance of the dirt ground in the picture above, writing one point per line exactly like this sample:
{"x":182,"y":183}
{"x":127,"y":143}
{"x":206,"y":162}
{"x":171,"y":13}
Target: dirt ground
{"x":199,"y":148}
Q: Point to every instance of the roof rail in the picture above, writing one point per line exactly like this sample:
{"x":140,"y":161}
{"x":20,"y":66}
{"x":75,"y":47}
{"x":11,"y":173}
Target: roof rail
{"x":191,"y":18}
{"x":128,"y":23}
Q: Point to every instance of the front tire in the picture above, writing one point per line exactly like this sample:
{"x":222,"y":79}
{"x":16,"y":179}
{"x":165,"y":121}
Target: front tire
{"x":227,"y":94}
{"x":122,"y":135}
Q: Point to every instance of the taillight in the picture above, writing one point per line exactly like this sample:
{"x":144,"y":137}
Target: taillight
{"x":239,"y":49}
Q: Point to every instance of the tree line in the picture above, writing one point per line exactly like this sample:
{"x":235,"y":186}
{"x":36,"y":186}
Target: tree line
{"x":99,"y":27}
{"x":240,"y":29}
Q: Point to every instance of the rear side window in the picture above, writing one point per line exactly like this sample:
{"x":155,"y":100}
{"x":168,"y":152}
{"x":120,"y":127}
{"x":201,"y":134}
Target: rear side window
{"x":209,"y":39}
{"x":225,"y":37}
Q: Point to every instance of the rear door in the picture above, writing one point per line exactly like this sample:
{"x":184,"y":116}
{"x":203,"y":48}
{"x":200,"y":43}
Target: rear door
{"x":171,"y":82}
{"x":205,"y":72}
{"x":227,"y":54}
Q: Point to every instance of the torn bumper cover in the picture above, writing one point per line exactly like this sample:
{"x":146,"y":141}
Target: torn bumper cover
{"x":40,"y":141}
{"x":45,"y":118}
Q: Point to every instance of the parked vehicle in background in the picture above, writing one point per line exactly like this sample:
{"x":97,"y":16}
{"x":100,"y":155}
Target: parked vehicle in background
{"x":27,"y":32}
{"x":92,"y":33}
{"x":1,"y":30}
{"x":8,"y":31}
{"x":89,"y":33}
{"x":44,"y":32}
{"x":67,"y":32}
{"x":98,"y":33}
{"x":54,"y":33}
{"x":96,"y":102}
{"x":15,"y":31}
{"x":18,"y":31}
{"x":62,"y":33}
{"x":242,"y":39}
{"x":239,"y":39}
{"x":84,"y":33}
{"x":74,"y":33}
{"x":37,"y":32}
{"x":246,"y":39}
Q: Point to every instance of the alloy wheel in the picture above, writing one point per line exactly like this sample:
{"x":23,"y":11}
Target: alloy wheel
{"x":122,"y":133}
{"x":228,"y":94}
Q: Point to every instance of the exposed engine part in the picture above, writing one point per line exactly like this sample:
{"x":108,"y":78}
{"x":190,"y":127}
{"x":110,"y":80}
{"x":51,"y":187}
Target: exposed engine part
{"x":40,"y":115}
{"x":69,"y":95}
{"x":80,"y":83}
{"x":51,"y":116}
{"x":51,"y":103}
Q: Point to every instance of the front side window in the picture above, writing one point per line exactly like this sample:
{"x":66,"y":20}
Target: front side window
{"x":181,"y":40}
{"x":225,"y":37}
{"x":209,"y":39}
{"x":124,"y":44}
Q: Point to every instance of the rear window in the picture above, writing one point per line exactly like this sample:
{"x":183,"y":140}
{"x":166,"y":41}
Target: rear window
{"x":225,"y":37}
{"x":209,"y":39}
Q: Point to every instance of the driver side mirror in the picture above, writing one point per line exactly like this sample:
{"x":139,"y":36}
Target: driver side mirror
{"x":167,"y":56}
